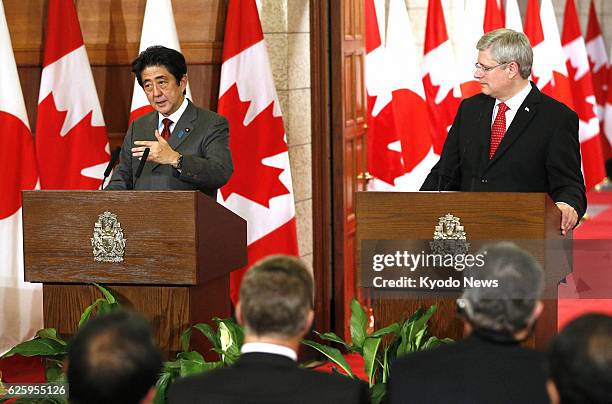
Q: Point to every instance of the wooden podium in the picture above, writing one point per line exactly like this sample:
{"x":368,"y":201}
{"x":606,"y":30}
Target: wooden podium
{"x":531,"y":220}
{"x":179,"y":249}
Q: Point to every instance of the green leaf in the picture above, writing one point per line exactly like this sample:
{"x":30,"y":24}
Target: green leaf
{"x":421,"y":322}
{"x":165,"y":379}
{"x":87,"y":312}
{"x":208,"y":332}
{"x":38,"y":347}
{"x":185,"y":338}
{"x":234,"y":328}
{"x":358,"y":324}
{"x":378,"y":393}
{"x":370,"y":349}
{"x":333,"y":354}
{"x":54,"y":374}
{"x":392,"y":328}
{"x":50,"y":333}
{"x":330,"y":336}
{"x":107,"y":294}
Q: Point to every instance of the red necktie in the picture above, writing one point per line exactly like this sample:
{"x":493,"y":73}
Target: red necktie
{"x":166,"y":131}
{"x":498,"y":130}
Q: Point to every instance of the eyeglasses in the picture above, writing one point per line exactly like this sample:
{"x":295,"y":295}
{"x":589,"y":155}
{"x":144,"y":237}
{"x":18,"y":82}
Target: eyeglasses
{"x":486,"y":69}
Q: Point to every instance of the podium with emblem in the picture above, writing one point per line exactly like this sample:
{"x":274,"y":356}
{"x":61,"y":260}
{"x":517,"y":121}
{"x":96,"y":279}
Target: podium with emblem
{"x":466,"y":221}
{"x":166,"y":254}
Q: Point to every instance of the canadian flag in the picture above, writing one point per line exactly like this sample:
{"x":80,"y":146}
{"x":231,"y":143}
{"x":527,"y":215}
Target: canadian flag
{"x":598,"y":63}
{"x":608,"y":110}
{"x":21,"y":312}
{"x":584,"y":97}
{"x":260,"y":190}
{"x":468,"y":24}
{"x":513,"y":16}
{"x":548,"y":71}
{"x":158,"y":28}
{"x":494,"y":16}
{"x":384,"y":149}
{"x":440,"y":83}
{"x":408,"y":99}
{"x":71,"y":142}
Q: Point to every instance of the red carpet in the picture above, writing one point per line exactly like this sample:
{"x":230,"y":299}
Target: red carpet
{"x":589,"y":288}
{"x":19,"y":369}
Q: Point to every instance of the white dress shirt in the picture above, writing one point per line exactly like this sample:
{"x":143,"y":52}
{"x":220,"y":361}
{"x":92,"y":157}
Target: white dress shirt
{"x":266,"y":347}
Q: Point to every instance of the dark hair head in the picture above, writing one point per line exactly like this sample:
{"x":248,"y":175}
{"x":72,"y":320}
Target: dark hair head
{"x":158,"y":55}
{"x":113,"y":359}
{"x":580,"y":360}
{"x":507,"y":308}
{"x":276,"y":297}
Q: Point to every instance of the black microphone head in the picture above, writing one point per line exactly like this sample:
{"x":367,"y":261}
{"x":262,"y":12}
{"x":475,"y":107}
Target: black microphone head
{"x":113,"y":160}
{"x":143,"y":160}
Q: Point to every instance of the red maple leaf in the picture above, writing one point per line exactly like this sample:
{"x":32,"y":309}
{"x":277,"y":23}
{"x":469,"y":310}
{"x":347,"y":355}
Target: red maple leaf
{"x":262,"y":137}
{"x":62,"y":158}
{"x":441,"y":115}
{"x":581,"y":89}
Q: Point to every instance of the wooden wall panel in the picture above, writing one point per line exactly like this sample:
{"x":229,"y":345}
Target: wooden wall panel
{"x":111,"y":31}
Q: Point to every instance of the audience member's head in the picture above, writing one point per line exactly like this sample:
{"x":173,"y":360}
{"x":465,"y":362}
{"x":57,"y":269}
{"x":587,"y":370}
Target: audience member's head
{"x":113,"y":359}
{"x":580,"y":362}
{"x":513,"y":306}
{"x":276,"y":300}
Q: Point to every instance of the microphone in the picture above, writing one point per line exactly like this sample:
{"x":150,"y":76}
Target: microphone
{"x":143,"y":160}
{"x":111,"y":164}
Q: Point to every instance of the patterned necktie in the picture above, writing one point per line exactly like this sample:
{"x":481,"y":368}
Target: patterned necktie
{"x":498,"y":130}
{"x":166,"y":131}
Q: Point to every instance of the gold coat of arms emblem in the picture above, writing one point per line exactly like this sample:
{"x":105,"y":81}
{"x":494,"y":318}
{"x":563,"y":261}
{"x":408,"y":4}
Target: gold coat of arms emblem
{"x":449,"y":236}
{"x":108,"y":242}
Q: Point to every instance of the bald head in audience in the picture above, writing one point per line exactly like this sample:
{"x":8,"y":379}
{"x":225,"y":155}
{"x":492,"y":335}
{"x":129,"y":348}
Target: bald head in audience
{"x":113,"y":358}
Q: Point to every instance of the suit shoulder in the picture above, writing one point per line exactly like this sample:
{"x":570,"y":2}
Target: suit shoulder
{"x":556,"y":106}
{"x":476,"y":99}
{"x":209,"y":115}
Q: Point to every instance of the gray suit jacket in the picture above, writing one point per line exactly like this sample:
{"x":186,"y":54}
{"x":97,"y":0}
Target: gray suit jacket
{"x":201,"y":136}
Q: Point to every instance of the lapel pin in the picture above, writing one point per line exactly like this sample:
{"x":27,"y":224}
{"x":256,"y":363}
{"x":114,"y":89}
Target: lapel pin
{"x":187,"y":130}
{"x":527,"y":109}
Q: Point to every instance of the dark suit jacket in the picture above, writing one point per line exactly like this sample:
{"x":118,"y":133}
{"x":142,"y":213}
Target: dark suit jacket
{"x":267,"y":378}
{"x":201,"y":136}
{"x":474,"y":370}
{"x":539,"y":153}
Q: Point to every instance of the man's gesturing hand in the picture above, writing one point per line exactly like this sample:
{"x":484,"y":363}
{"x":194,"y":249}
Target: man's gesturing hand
{"x":159,"y":151}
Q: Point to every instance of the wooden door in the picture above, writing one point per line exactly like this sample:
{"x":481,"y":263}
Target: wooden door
{"x":348,"y":141}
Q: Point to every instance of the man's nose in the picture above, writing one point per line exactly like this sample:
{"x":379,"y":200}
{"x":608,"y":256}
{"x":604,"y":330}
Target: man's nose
{"x":156,"y":90}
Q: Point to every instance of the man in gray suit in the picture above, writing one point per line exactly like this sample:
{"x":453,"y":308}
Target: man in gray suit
{"x":188,"y":146}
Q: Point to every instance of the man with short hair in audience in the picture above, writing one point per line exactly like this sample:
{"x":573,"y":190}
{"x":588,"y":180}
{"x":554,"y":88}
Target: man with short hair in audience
{"x":489,"y":365}
{"x":276,"y":309}
{"x":580,"y":362}
{"x":113,"y":359}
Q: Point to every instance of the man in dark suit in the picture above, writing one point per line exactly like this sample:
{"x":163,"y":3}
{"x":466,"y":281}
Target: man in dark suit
{"x":489,"y":365}
{"x":580,"y":362}
{"x":275,"y":308}
{"x":511,"y":137}
{"x":188,"y":146}
{"x":113,"y":358}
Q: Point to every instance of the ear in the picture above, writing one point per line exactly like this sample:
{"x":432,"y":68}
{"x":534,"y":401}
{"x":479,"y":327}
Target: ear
{"x":553,"y":393}
{"x":239,"y":314}
{"x":513,"y":68}
{"x":537,"y":311}
{"x":308,"y":322}
{"x":183,"y":82}
{"x":148,"y":399}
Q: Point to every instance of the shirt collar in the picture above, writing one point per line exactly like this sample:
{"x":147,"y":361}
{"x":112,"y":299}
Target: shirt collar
{"x":174,"y":117}
{"x":266,"y":347}
{"x":516,"y":101}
